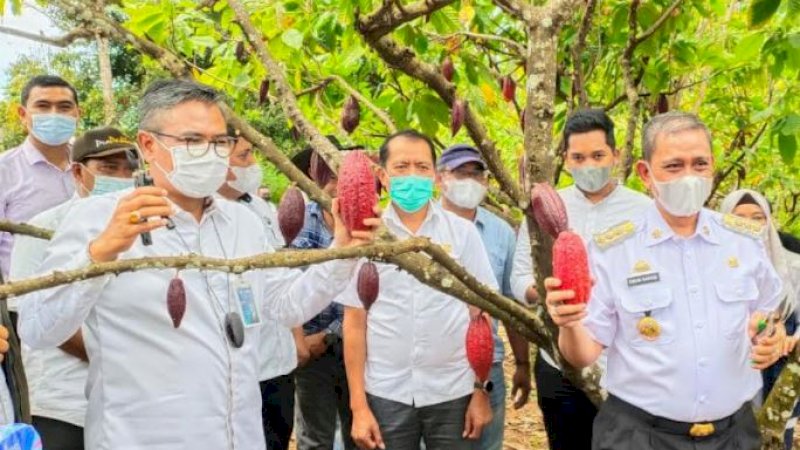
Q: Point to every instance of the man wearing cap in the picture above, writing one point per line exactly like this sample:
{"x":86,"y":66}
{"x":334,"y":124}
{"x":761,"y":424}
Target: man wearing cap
{"x":462,"y":180}
{"x":103,"y":161}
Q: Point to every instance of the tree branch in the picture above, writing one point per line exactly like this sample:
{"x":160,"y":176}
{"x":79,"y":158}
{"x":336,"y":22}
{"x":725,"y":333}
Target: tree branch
{"x":578,"y":78}
{"x":392,"y":14}
{"x":517,"y":49}
{"x":631,"y":90}
{"x":665,"y":15}
{"x":61,"y":41}
{"x":522,"y":11}
{"x":23,"y":228}
{"x":777,"y":410}
{"x":317,"y":87}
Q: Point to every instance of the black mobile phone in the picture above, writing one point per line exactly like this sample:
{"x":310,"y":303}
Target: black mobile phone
{"x":142,"y":178}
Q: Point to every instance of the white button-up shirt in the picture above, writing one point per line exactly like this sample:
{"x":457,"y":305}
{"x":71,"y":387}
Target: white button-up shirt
{"x":278,"y":352}
{"x":586,"y":219}
{"x":152,"y":386}
{"x":415,"y":334}
{"x":701,"y":290}
{"x":56,"y":379}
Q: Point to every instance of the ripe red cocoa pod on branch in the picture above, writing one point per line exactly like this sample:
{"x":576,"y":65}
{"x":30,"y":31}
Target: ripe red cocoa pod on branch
{"x":480,"y":346}
{"x":351,"y":114}
{"x":356,"y":190}
{"x":291,"y":214}
{"x":509,"y":88}
{"x":548,"y":209}
{"x":368,"y":284}
{"x":448,"y":69}
{"x":571,"y":266}
{"x":176,"y":301}
{"x":457,"y":115}
{"x":318,"y":170}
{"x":263,"y":91}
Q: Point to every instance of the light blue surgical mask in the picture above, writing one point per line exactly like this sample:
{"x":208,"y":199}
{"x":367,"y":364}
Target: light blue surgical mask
{"x":410,"y":193}
{"x":53,"y":129}
{"x":104,"y":184}
{"x":591,"y":179}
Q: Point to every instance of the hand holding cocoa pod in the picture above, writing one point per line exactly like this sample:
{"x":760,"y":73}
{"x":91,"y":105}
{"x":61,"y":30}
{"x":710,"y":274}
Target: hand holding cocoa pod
{"x":342,"y":237}
{"x":563,"y":314}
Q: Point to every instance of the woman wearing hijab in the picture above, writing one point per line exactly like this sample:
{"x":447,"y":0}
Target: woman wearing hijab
{"x":752,"y":205}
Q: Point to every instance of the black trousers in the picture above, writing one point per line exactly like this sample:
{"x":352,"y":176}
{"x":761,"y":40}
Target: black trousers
{"x":568,"y":412}
{"x":277,"y":411}
{"x":58,"y":435}
{"x":622,"y":426}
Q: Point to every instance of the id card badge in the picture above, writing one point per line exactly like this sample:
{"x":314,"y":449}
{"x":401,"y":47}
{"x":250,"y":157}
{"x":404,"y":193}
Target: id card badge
{"x":248,"y":307}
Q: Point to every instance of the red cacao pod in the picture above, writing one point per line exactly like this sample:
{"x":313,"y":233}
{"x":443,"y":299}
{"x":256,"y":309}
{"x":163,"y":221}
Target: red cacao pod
{"x":448,"y":69}
{"x":356,"y":190}
{"x":480,"y":347}
{"x":571,"y":266}
{"x":176,"y":301}
{"x":351,"y":114}
{"x":291,"y":214}
{"x":509,"y":88}
{"x":548,"y":209}
{"x":368,"y":284}
{"x":663,"y":104}
{"x":318,"y":170}
{"x":241,"y":52}
{"x":457,"y":116}
{"x":263,"y":91}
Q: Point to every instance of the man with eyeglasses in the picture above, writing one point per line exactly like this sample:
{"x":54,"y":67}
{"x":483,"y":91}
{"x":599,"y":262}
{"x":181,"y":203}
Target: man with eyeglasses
{"x":166,"y":373}
{"x":103,"y":161}
{"x":463,"y":181}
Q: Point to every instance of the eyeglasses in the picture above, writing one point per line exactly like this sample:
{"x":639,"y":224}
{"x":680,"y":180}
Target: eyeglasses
{"x":197,"y":146}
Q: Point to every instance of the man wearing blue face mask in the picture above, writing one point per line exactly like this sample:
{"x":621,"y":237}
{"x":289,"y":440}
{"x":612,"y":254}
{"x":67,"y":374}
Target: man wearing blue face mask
{"x":36,"y":175}
{"x":595,"y":202}
{"x":103,"y":161}
{"x":406,"y":366}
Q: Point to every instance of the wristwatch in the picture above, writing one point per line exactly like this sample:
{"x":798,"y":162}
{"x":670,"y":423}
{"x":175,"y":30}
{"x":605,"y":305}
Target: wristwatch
{"x":486,"y":386}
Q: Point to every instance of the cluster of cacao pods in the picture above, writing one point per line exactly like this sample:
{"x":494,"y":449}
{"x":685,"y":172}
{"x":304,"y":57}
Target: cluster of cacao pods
{"x":351,"y":114}
{"x":176,"y":301}
{"x":291,"y":214}
{"x":480,"y":346}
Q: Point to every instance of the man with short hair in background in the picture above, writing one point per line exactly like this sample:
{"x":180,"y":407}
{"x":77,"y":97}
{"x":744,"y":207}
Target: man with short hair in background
{"x":103,"y":161}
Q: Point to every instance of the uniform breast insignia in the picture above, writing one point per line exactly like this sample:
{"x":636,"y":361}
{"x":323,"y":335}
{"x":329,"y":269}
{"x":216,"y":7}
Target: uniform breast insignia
{"x":641,"y":266}
{"x":614,"y":235}
{"x":649,"y":327}
{"x":656,"y":234}
{"x":733,"y":262}
{"x":742,"y":226}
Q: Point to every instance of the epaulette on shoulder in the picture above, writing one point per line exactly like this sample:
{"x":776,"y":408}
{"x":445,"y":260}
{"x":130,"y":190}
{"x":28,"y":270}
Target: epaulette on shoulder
{"x":614,"y":235}
{"x":741,"y":225}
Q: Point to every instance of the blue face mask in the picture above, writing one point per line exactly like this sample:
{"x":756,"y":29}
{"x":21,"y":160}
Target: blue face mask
{"x":410,"y":193}
{"x":53,"y":129}
{"x":104,"y":184}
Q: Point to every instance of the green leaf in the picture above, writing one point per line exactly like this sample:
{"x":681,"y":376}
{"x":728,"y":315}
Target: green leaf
{"x":762,"y":10}
{"x":788,"y":147}
{"x":292,"y":38}
{"x":794,"y":7}
{"x":791,"y":124}
{"x":749,"y":47}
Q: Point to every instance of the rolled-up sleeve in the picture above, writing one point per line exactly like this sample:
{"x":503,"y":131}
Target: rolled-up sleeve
{"x":522,"y":268}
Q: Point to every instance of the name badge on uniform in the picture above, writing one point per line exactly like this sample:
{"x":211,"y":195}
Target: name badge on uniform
{"x":645,"y":278}
{"x":248,"y":308}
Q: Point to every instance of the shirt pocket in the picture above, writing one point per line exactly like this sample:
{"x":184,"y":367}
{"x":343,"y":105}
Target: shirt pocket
{"x":637,"y":303}
{"x":735,"y":297}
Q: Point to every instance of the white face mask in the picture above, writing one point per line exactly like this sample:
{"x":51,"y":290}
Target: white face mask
{"x":196,"y":177}
{"x":591,"y":179}
{"x":684,"y":196}
{"x":248,"y":179}
{"x":465,"y":193}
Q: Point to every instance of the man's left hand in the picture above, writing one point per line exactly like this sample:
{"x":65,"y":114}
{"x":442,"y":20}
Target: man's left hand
{"x":479,"y":414}
{"x":521,"y":384}
{"x":767,"y":348}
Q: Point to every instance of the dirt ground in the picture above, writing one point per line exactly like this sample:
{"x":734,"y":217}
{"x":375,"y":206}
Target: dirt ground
{"x":524,"y":427}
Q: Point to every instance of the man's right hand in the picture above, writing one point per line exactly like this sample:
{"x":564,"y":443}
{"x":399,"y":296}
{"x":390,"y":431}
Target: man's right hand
{"x":366,"y":433}
{"x":563,"y":315}
{"x":316,"y":344}
{"x":129,"y":221}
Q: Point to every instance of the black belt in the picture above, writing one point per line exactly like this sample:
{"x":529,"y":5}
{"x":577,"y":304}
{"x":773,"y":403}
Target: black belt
{"x":696,"y":430}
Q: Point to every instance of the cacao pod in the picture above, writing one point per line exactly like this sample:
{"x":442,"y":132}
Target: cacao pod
{"x":509,"y":88}
{"x":457,"y":116}
{"x":663,"y":104}
{"x":548,"y":209}
{"x":356,"y":190}
{"x":318,"y":170}
{"x":571,"y":266}
{"x":263,"y":91}
{"x":291,"y":214}
{"x":351,"y":114}
{"x":448,"y":69}
{"x":480,"y":347}
{"x":241,"y":52}
{"x":368,"y":284}
{"x":176,"y":301}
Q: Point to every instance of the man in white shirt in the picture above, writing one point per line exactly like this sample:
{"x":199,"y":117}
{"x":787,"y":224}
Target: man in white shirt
{"x":282,"y":349}
{"x":406,"y":360}
{"x":174,"y":378}
{"x":594,"y":203}
{"x":103,"y":161}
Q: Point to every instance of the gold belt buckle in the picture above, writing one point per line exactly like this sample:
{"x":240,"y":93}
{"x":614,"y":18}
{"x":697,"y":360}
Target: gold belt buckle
{"x":701,"y":430}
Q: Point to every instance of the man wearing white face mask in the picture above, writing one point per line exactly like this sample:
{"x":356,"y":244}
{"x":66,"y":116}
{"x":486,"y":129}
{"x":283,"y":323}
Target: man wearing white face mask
{"x":282,"y":349}
{"x":103,"y":161}
{"x":462,"y":178}
{"x":595,"y":202}
{"x":678,"y":299}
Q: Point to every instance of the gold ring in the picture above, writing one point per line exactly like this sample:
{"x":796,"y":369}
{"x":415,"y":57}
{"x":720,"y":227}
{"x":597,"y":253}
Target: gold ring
{"x":134,"y":218}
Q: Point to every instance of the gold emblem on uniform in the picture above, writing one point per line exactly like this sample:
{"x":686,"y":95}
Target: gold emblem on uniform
{"x":733,"y":262}
{"x":742,"y":226}
{"x":656,"y":234}
{"x":641,"y":266}
{"x":615,"y":234}
{"x":649,"y":328}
